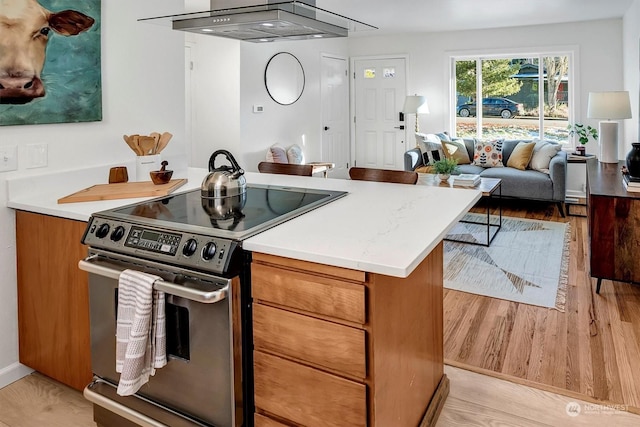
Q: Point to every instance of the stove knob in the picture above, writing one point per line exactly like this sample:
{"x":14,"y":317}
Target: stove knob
{"x":208,"y":251}
{"x":102,"y":231}
{"x":189,"y":247}
{"x":118,"y":233}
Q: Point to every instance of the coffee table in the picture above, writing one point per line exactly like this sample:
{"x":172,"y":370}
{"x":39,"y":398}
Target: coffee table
{"x":491,"y":188}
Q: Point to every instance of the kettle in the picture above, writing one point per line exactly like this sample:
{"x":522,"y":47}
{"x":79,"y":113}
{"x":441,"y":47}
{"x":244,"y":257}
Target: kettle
{"x":224,"y":189}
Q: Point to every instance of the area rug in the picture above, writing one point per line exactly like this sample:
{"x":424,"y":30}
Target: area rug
{"x":527,"y":261}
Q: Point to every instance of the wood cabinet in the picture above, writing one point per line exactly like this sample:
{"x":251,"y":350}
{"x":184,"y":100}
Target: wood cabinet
{"x":53,"y":298}
{"x":337,"y":347}
{"x":614,"y":224}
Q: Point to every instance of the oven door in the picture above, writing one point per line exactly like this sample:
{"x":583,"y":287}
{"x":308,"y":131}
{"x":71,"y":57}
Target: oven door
{"x":197,"y":384}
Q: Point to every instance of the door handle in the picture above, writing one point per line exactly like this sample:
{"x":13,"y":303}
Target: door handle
{"x":326,"y":128}
{"x":204,"y":296}
{"x":401,"y":127}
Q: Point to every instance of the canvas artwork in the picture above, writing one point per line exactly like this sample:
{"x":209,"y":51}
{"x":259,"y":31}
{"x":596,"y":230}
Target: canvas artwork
{"x":50,"y":61}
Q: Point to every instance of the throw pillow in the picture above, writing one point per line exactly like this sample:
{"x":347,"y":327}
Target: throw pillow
{"x":488,"y":154}
{"x":443,"y":136}
{"x":424,"y":169}
{"x":430,"y":147}
{"x":543,"y":152}
{"x":295,"y":155}
{"x":521,"y":155}
{"x":277,"y":154}
{"x":456,"y":150}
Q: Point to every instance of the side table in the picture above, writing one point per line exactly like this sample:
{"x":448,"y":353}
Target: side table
{"x":577,"y":197}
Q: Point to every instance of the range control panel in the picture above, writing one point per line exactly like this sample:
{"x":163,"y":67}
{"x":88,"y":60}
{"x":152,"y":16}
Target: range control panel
{"x":190,"y":250}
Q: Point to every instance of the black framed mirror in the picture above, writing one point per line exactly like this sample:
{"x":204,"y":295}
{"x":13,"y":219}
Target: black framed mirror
{"x":284,"y":78}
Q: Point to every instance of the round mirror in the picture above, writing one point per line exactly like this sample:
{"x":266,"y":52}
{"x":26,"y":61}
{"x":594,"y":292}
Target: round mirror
{"x":284,"y":78}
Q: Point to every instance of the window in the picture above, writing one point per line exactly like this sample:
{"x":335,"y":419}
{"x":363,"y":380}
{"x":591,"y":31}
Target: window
{"x":525,"y":96}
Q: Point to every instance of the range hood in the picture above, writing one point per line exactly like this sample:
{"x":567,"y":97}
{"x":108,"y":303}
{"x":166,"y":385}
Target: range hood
{"x":262,"y":21}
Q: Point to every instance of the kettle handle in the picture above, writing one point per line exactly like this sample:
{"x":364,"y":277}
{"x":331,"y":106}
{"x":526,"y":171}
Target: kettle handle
{"x":229,"y":156}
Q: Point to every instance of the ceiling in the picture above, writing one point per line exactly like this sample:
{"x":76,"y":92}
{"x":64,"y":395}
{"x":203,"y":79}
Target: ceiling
{"x":401,"y":16}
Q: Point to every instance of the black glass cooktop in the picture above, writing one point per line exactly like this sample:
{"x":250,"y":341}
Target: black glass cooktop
{"x":264,"y":207}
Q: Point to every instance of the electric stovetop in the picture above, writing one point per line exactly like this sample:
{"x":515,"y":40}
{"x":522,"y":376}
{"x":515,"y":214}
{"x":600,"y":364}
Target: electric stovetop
{"x":265,"y":207}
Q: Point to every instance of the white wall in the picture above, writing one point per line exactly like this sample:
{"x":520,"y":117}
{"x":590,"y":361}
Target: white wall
{"x":299,"y":123}
{"x":215,"y":97}
{"x":631,"y":35}
{"x":143,"y":91}
{"x":600,"y":58}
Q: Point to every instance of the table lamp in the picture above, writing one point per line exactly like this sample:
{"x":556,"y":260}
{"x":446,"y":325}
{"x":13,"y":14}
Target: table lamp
{"x":611,"y":106}
{"x":415,"y":104}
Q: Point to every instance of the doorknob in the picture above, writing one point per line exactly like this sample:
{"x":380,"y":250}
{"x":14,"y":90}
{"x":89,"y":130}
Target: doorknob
{"x":326,"y":128}
{"x":401,"y":127}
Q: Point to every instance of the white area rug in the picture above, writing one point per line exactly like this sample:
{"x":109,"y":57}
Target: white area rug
{"x":527,"y":261}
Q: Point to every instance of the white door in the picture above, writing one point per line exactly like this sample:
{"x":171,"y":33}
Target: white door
{"x":380,"y":89}
{"x":334,"y":86}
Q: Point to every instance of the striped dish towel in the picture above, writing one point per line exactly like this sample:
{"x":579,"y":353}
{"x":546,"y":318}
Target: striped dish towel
{"x":140,"y":330}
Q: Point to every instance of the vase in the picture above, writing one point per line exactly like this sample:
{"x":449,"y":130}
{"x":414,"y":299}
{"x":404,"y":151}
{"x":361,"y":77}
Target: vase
{"x":633,"y":160}
{"x":443,"y":176}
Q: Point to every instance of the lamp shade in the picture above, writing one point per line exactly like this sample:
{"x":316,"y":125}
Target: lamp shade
{"x":609,"y":105}
{"x":415,"y":104}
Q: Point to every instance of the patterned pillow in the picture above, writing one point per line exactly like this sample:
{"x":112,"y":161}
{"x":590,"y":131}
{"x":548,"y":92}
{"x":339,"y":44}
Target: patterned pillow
{"x":488,"y":154}
{"x":456,"y":150}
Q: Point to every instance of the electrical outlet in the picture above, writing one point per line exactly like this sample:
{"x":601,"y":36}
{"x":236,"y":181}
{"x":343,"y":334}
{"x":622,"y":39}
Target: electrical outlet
{"x":8,"y":158}
{"x":258,"y":108}
{"x":37,"y":156}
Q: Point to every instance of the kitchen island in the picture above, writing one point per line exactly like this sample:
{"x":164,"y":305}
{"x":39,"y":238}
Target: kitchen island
{"x":347,"y":300}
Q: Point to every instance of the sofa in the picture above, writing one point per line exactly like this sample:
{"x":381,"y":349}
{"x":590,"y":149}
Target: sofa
{"x":521,"y":184}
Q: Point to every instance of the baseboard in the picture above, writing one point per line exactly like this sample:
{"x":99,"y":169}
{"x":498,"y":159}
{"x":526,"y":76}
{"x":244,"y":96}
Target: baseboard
{"x":13,"y":373}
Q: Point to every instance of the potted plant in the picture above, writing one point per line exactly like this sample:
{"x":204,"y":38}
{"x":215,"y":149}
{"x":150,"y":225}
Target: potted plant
{"x":583,"y":132}
{"x":445,"y":167}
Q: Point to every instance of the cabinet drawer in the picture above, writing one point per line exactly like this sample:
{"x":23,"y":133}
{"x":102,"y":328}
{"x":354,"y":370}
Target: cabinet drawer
{"x":327,"y":344}
{"x":307,"y":396}
{"x":316,"y":294}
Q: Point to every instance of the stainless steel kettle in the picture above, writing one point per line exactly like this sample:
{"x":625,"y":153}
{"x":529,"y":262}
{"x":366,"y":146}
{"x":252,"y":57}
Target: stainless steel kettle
{"x":224,"y":189}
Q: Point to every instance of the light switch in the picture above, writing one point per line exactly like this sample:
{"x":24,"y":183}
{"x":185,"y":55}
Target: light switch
{"x":8,"y":158}
{"x":37,"y":156}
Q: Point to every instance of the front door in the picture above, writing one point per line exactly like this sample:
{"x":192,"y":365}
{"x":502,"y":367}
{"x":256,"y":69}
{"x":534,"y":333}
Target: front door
{"x":380,"y":89}
{"x":334,"y":86}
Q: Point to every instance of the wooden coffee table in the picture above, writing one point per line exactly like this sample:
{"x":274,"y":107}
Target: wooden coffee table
{"x":491,"y":188}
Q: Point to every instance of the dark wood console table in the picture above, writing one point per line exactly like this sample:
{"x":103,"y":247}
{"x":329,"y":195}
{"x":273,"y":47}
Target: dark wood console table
{"x":613,"y":216}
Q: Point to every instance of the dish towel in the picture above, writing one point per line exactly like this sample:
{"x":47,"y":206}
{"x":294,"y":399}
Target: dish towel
{"x":140,"y":330}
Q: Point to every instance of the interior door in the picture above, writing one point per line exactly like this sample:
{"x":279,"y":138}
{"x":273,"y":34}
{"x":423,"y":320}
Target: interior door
{"x":380,"y":89}
{"x":334,"y":86}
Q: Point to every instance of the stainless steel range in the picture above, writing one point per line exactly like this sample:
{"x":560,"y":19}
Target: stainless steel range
{"x":205,"y":274}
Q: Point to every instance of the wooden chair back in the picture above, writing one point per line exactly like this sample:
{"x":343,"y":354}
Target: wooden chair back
{"x":383,"y":175}
{"x":285,"y":168}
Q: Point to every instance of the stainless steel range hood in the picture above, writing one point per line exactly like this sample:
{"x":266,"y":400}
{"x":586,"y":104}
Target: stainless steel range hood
{"x":265,"y":20}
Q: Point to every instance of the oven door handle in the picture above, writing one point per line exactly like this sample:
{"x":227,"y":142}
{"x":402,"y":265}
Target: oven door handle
{"x":207,"y":297}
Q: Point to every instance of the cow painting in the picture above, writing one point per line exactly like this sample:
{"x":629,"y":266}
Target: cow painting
{"x":25,"y":29}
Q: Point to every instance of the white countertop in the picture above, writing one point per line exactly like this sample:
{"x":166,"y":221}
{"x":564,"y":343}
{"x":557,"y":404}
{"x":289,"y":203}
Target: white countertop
{"x":378,"y":227}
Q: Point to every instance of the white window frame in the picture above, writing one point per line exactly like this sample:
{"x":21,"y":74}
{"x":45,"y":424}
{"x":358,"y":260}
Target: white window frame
{"x":572,"y":51}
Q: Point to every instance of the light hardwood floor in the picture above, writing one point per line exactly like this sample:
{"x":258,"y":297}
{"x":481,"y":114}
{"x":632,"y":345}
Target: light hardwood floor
{"x":591,"y":350}
{"x":474,"y":400}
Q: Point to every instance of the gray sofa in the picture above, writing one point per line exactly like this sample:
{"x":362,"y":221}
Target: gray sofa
{"x":522,"y":184}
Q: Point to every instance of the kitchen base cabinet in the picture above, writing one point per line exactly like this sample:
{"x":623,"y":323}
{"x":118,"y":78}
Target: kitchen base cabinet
{"x":53,"y":298}
{"x":337,"y":347}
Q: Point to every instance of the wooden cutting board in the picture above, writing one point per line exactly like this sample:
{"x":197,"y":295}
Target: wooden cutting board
{"x":123,"y":190}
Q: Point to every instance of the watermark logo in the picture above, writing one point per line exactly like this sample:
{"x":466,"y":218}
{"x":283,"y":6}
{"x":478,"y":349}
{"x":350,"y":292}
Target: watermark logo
{"x":573,"y":409}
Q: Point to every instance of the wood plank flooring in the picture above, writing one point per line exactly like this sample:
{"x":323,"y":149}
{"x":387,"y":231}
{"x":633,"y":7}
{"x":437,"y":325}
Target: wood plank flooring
{"x":474,"y":400}
{"x":592,"y":350}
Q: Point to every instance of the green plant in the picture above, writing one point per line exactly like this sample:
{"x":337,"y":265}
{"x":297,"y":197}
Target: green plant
{"x":583,"y":132}
{"x":445,"y":166}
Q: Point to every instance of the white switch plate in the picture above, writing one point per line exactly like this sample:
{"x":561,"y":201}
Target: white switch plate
{"x":37,"y":155}
{"x":8,"y":158}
